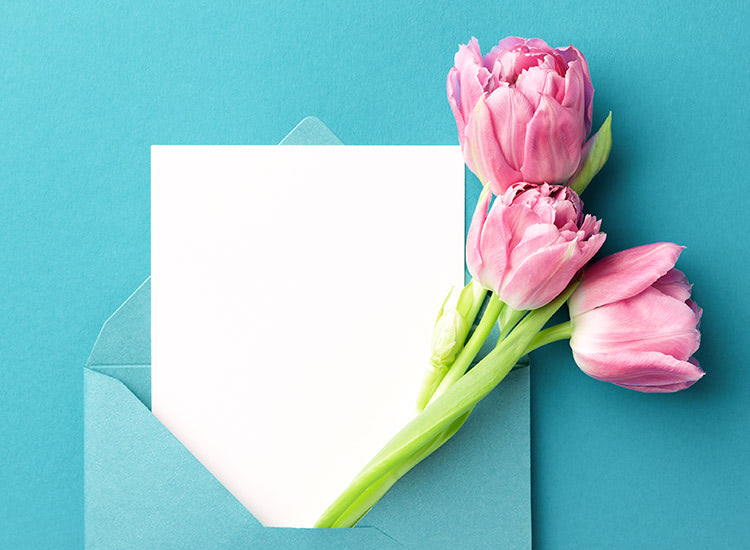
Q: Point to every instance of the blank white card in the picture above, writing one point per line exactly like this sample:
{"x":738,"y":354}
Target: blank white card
{"x":294,"y":290}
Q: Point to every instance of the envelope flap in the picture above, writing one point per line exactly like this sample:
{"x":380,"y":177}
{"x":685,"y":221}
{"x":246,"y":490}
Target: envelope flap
{"x":125,"y":338}
{"x":311,"y":131}
{"x":145,"y":490}
{"x":174,"y":492}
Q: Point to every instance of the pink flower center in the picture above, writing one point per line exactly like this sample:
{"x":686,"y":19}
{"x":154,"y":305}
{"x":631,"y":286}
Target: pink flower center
{"x":507,"y":65}
{"x":556,"y":204}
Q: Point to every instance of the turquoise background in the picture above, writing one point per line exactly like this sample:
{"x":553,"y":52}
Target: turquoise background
{"x":86,"y":89}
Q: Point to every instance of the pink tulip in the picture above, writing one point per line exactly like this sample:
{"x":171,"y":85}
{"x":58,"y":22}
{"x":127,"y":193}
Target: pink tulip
{"x":523,"y":111}
{"x":531,"y":244}
{"x":633,"y":323}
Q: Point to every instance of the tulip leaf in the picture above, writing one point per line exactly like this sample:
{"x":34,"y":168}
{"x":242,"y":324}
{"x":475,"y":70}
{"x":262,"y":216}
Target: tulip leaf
{"x":596,"y":153}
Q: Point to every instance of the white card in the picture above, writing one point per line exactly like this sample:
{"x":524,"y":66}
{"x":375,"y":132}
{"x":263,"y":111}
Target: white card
{"x":294,"y":290}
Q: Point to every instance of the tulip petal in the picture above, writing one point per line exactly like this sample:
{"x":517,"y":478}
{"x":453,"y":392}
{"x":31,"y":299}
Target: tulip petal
{"x":577,"y":62}
{"x":453,"y":88}
{"x":473,"y":75}
{"x":482,"y":151}
{"x":574,"y":98}
{"x":623,"y":275}
{"x":674,"y":284}
{"x":467,"y":81}
{"x":474,"y":260}
{"x":535,"y":237}
{"x":553,"y":145}
{"x":641,"y":371}
{"x":510,"y":112}
{"x":497,"y":239}
{"x":697,"y":310}
{"x":508,"y":42}
{"x":538,"y":81}
{"x":649,"y":321}
{"x":542,"y":276}
{"x":666,"y":388}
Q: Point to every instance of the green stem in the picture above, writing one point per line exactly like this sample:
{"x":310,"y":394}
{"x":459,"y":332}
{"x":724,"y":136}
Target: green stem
{"x":477,"y":304}
{"x":440,"y":414}
{"x":467,"y":355}
{"x":375,"y":492}
{"x":551,"y":334}
{"x":509,"y":320}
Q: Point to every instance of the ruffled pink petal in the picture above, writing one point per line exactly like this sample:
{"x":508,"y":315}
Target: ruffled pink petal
{"x":583,"y":252}
{"x":576,"y":59}
{"x":574,"y":98}
{"x":697,"y":310}
{"x":507,"y":43}
{"x":467,"y":81}
{"x":553,"y":144}
{"x":500,"y":228}
{"x":534,"y":277}
{"x":641,"y":371}
{"x":540,"y":80}
{"x":539,"y":44}
{"x":649,"y":321}
{"x":590,"y":225}
{"x":474,"y":259}
{"x":543,"y":275}
{"x":453,"y":88}
{"x":510,"y":112}
{"x":623,"y":275}
{"x":473,"y":76}
{"x":482,"y":152}
{"x":569,"y":214}
{"x":516,"y":220}
{"x":509,"y":64}
{"x":534,"y":237}
{"x":674,"y":284}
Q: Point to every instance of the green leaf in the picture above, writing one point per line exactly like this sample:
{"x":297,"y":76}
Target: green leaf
{"x":596,"y":154}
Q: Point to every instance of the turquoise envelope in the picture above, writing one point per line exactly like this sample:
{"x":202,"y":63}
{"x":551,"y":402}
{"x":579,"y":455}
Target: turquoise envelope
{"x":143,"y":489}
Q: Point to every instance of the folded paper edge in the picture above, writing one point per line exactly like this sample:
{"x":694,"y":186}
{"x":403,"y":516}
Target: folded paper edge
{"x":311,"y":130}
{"x":101,"y":338}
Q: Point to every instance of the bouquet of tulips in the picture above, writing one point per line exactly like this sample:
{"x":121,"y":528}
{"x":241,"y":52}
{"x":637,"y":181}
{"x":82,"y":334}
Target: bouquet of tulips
{"x":523,"y":113}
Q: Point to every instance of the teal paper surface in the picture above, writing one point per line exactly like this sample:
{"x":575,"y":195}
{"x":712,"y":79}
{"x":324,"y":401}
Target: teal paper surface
{"x":144,"y":489}
{"x":88,"y":87}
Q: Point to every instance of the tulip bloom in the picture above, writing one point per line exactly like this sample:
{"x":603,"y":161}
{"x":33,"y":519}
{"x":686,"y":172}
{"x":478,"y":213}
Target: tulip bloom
{"x":531,"y":244}
{"x":523,"y":111}
{"x":633,"y":323}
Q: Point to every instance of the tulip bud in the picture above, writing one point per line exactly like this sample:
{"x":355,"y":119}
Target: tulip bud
{"x":448,"y":336}
{"x":452,"y":326}
{"x":633,"y":322}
